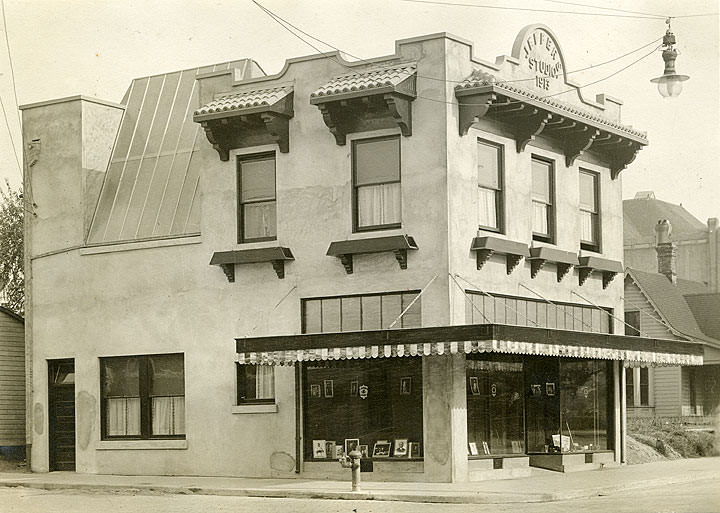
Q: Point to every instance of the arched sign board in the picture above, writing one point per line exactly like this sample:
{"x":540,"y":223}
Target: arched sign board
{"x":541,"y":60}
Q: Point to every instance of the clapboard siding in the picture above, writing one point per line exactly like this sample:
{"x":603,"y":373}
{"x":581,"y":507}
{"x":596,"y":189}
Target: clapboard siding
{"x":667,"y":392}
{"x":12,"y":380}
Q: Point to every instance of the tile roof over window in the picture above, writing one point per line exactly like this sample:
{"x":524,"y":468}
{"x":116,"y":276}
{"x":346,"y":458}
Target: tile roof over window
{"x":640,"y":216}
{"x":374,"y":78}
{"x":150,"y":189}
{"x":481,"y":78}
{"x":670,"y":305}
{"x":245,"y":100}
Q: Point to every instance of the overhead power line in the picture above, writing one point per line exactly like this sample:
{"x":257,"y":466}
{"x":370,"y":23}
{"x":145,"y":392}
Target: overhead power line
{"x":12,"y":140}
{"x":12,"y":69}
{"x":287,"y":26}
{"x":655,"y":15}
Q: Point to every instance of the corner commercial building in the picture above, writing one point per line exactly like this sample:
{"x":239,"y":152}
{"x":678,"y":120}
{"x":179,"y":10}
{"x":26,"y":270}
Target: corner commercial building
{"x":239,"y":274}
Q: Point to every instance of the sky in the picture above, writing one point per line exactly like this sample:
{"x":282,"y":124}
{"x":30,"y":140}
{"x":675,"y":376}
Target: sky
{"x":63,"y":48}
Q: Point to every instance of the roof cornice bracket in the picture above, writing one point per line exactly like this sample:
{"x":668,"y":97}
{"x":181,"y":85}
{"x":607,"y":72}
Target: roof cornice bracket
{"x":530,"y":127}
{"x":577,"y":143}
{"x":472,"y":108}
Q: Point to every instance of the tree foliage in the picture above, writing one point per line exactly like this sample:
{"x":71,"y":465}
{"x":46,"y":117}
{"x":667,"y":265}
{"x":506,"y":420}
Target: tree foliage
{"x":12,"y":278}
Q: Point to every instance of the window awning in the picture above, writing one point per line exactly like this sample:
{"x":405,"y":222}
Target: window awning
{"x":248,"y":118}
{"x":373,"y":98}
{"x":529,"y":114}
{"x":477,"y":338}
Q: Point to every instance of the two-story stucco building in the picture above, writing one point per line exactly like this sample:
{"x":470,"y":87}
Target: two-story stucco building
{"x":238,"y":274}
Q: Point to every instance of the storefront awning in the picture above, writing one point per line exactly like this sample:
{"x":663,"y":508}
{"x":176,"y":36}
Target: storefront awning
{"x":477,"y":338}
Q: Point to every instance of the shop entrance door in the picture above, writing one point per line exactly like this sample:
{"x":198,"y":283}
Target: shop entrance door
{"x":542,"y":376}
{"x":61,"y":414}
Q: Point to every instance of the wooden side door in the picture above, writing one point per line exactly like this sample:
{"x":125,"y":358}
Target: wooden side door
{"x":61,"y":414}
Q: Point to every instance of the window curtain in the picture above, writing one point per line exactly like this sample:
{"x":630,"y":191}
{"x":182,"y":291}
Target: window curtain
{"x":587,"y":231}
{"x":265,"y":382}
{"x":540,"y":218}
{"x":260,"y":220}
{"x":123,"y":416}
{"x":487,"y":207}
{"x":168,"y":415}
{"x":378,"y":204}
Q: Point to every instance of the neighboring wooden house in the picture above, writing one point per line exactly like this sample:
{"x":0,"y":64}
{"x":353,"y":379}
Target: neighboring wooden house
{"x":12,"y":384}
{"x":657,"y":308}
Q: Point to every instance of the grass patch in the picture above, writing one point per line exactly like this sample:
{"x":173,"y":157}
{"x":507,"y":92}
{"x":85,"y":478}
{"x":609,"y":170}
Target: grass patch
{"x":672,"y":437}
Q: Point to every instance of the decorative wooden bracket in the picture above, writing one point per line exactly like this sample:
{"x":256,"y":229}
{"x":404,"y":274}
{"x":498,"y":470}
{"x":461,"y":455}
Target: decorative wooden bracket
{"x":577,"y":143}
{"x":472,"y":108}
{"x":229,"y":270}
{"x":607,"y":277}
{"x":512,"y":262}
{"x":347,"y":262}
{"x":213,"y":139}
{"x":530,"y":127}
{"x":562,"y":269}
{"x":279,"y":267}
{"x":332,"y":118}
{"x":482,"y":256}
{"x":623,"y":157}
{"x":401,"y":257}
{"x":401,"y":111}
{"x":535,"y":265}
{"x":278,"y":128}
{"x":584,"y":274}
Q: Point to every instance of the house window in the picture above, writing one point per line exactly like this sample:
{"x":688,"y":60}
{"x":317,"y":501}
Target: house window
{"x":543,"y":215}
{"x":632,"y":324}
{"x":257,"y":219}
{"x":143,"y":396}
{"x":637,"y":386}
{"x":255,"y":384}
{"x":644,"y":386}
{"x":366,"y":312}
{"x":376,"y":183}
{"x":630,"y":387}
{"x":589,"y":211}
{"x":489,"y":173}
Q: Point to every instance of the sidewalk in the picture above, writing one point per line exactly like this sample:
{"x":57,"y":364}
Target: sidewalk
{"x":547,"y":486}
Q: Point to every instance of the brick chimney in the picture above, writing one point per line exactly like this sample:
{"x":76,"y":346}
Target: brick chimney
{"x":666,"y":250}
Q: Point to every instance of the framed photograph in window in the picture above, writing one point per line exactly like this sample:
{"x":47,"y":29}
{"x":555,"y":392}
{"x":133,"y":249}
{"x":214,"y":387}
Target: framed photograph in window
{"x":364,"y":451}
{"x":330,"y":449}
{"x":315,"y":391}
{"x":474,"y":385}
{"x":319,"y":449}
{"x":550,"y":389}
{"x":401,"y":448}
{"x":353,"y":388}
{"x":405,"y":385}
{"x":381,"y":449}
{"x":473,"y":449}
{"x":328,"y":386}
{"x":351,"y":444}
{"x":415,"y":449}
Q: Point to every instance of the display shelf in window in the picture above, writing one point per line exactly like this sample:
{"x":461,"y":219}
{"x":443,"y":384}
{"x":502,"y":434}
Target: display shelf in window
{"x":485,"y":247}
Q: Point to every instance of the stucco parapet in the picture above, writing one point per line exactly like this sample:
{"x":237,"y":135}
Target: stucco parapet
{"x":143,"y":445}
{"x":66,"y":99}
{"x":137,"y":245}
{"x":254,"y":408}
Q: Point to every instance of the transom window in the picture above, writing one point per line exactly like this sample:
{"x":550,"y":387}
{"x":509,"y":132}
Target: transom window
{"x":143,"y":396}
{"x":543,"y":215}
{"x":589,"y":211}
{"x":257,"y":220}
{"x":376,"y":183}
{"x":489,"y":175}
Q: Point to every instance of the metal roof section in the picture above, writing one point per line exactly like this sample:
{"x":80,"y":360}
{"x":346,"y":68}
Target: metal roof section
{"x":151,"y":185}
{"x":375,"y":78}
{"x":480,"y":78}
{"x":244,"y":100}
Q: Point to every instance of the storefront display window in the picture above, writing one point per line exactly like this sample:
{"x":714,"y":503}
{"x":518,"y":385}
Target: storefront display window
{"x":495,"y":406}
{"x":373,"y":405}
{"x":584,"y":405}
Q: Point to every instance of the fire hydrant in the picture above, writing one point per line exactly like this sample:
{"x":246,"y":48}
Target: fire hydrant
{"x":352,"y":461}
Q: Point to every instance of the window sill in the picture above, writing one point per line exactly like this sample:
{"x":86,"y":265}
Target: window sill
{"x":254,"y":408}
{"x":109,"y":445}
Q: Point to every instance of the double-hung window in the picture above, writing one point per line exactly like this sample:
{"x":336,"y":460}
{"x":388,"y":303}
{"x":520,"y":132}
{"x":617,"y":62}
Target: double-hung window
{"x":256,"y":198}
{"x":543,"y":214}
{"x":589,"y":211}
{"x":143,"y":396}
{"x":489,"y":175}
{"x":376,"y":183}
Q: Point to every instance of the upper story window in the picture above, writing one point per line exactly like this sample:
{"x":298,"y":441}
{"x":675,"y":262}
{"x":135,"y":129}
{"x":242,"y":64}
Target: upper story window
{"x":143,"y":396}
{"x":489,"y":175}
{"x":255,"y":384}
{"x":632,"y":323}
{"x":543,"y":192}
{"x":376,"y":183}
{"x":257,"y":220}
{"x":589,"y":211}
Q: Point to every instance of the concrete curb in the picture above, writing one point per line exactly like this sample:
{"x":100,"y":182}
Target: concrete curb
{"x":458,"y":497}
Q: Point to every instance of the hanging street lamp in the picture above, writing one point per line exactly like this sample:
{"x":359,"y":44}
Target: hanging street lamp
{"x":670,"y":83}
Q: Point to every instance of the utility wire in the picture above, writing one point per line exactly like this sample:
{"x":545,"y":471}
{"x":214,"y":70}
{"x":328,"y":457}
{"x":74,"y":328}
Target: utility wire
{"x":659,"y":16}
{"x":12,"y":140}
{"x":527,"y":9}
{"x":12,"y":70}
{"x":284,"y":24}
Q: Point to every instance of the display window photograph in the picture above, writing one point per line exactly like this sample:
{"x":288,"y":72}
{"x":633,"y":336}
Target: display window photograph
{"x":374,"y":406}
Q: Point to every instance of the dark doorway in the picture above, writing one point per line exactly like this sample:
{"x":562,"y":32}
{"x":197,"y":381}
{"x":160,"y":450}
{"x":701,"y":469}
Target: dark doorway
{"x":542,"y":376}
{"x":61,"y":414}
